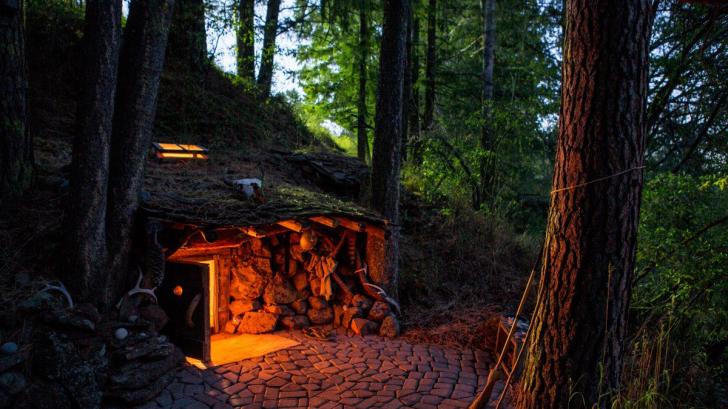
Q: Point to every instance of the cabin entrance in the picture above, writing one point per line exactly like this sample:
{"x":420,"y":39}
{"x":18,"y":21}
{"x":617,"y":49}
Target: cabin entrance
{"x":230,"y":291}
{"x":184,"y":295}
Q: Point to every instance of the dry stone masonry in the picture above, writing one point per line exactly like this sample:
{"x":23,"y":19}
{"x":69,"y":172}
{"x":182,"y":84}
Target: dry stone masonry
{"x":296,"y":280}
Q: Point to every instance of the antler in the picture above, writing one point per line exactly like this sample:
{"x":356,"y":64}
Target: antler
{"x":139,"y":290}
{"x":61,"y":288}
{"x":384,"y":295}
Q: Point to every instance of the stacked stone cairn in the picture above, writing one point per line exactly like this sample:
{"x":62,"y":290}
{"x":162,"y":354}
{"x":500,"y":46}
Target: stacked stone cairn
{"x":71,"y":356}
{"x":271,"y":289}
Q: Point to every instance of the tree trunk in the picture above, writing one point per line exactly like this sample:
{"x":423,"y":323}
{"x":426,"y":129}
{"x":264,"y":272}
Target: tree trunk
{"x":16,"y":151}
{"x":85,"y":224}
{"x":414,"y":104}
{"x":430,"y":61}
{"x":407,"y":86}
{"x":265,"y":75}
{"x":486,"y":130}
{"x":141,"y":62}
{"x":388,"y":129}
{"x":362,"y":141}
{"x":575,"y":353}
{"x":246,"y":40}
{"x":187,"y":36}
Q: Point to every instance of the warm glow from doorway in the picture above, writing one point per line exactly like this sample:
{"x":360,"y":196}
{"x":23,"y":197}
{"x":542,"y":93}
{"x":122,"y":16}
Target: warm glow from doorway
{"x":213,"y":292}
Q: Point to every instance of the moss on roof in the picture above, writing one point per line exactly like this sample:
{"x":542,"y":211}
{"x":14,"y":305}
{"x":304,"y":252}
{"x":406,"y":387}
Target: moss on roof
{"x":196,"y":193}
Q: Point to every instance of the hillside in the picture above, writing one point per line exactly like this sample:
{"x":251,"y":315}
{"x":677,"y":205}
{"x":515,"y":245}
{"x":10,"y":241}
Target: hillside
{"x":253,"y":139}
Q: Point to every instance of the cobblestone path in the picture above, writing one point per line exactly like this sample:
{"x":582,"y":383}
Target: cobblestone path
{"x":351,"y":372}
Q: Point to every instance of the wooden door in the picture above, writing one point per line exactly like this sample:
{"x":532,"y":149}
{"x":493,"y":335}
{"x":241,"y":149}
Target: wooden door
{"x":184,"y":296}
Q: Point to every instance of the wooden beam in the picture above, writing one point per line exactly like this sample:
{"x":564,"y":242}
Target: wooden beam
{"x":260,"y":232}
{"x":325,"y":220}
{"x":294,"y":225}
{"x":358,"y":227}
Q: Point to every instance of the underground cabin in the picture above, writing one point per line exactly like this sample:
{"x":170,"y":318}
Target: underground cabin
{"x":227,"y":263}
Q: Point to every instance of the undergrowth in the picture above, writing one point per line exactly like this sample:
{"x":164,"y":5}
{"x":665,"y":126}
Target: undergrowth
{"x":459,"y":268}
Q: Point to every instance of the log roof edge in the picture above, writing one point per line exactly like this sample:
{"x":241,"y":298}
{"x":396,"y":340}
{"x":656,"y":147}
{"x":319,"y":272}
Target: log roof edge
{"x":183,"y":195}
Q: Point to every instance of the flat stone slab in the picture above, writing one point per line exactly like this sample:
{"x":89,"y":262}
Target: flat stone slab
{"x":347,"y":372}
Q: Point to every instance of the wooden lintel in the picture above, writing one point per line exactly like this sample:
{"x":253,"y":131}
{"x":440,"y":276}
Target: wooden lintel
{"x":325,"y":220}
{"x":358,"y":227}
{"x":252,"y":232}
{"x":294,"y":225}
{"x":260,"y":232}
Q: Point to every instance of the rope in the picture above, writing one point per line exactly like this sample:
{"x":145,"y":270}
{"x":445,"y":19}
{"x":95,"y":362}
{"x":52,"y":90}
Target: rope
{"x":481,"y":400}
{"x":596,"y":180}
{"x":524,"y":344}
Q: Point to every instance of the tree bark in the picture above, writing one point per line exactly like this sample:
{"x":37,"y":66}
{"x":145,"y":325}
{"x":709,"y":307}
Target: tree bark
{"x":576,"y":346}
{"x":486,"y":130}
{"x":430,"y":62}
{"x":414,"y":103}
{"x":187,"y":36}
{"x":407,"y":86}
{"x":16,"y":151}
{"x":265,"y":75}
{"x":246,"y":40}
{"x":362,"y":141}
{"x":388,"y":130}
{"x":141,"y":62}
{"x":85,"y":223}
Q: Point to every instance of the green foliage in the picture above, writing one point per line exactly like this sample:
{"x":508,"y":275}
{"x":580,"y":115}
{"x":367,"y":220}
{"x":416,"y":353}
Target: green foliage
{"x":681,"y":297}
{"x":329,"y":73}
{"x":688,"y":93}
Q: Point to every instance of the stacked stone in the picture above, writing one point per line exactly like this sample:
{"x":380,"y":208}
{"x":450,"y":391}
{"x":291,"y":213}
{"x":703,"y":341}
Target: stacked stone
{"x":264,"y":301}
{"x":364,"y":317}
{"x":272,"y":289}
{"x":75,"y":357}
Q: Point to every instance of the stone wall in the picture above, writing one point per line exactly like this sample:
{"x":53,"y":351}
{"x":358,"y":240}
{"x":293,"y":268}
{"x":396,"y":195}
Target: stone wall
{"x":284,"y":282}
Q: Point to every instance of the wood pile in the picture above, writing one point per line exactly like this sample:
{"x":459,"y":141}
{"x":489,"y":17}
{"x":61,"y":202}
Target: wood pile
{"x":308,"y":275}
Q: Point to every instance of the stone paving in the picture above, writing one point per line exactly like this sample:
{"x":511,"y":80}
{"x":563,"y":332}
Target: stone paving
{"x":350,"y":372}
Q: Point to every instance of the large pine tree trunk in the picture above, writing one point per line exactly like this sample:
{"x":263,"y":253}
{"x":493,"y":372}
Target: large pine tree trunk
{"x":16,"y":154}
{"x":414,"y":103}
{"x":141,"y":62}
{"x":430,"y":61}
{"x":388,"y":129}
{"x":187,"y":36}
{"x":362,"y":141}
{"x":265,"y":74}
{"x":575,"y":353}
{"x":246,"y":40}
{"x":85,"y":224}
{"x":486,"y":131}
{"x":407,"y":86}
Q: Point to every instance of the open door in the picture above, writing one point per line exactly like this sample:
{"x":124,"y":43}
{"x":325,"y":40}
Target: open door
{"x":184,"y":297}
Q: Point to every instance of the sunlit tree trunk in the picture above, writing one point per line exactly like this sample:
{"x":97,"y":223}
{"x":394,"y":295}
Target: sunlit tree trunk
{"x":246,"y":40}
{"x":85,"y":223}
{"x":575,"y":353}
{"x":430,"y":62}
{"x":141,"y":62}
{"x":16,"y":152}
{"x":362,"y":141}
{"x":265,"y":74}
{"x":486,"y":130}
{"x":388,"y":128}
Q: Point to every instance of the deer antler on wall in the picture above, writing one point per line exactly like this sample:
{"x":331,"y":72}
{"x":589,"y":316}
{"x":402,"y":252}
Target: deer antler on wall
{"x":138,"y":290}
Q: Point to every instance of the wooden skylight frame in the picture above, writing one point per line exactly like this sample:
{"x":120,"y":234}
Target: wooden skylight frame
{"x":169,"y":150}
